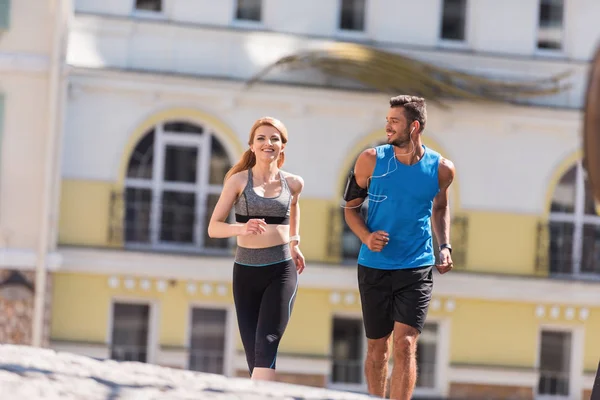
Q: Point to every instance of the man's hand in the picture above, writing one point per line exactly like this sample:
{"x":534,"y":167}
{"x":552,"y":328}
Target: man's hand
{"x":377,"y":240}
{"x":445,"y":264}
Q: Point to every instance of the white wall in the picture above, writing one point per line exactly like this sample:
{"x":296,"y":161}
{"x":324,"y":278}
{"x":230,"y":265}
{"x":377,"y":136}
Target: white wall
{"x":30,"y":28}
{"x":504,"y":155}
{"x":505,"y":27}
{"x":97,"y":42}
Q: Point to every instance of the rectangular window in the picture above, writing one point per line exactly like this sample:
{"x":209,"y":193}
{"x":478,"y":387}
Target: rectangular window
{"x":347,"y":351}
{"x":207,"y":341}
{"x":130,"y":332}
{"x":249,"y":10}
{"x":148,"y":5}
{"x":454,"y":14}
{"x":555,"y":363}
{"x":427,"y":356}
{"x":352,"y":15}
{"x":550,"y":29}
{"x":4,"y":14}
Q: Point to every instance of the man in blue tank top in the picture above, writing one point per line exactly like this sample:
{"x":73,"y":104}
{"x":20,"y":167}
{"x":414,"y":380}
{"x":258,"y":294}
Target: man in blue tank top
{"x":406,"y":185}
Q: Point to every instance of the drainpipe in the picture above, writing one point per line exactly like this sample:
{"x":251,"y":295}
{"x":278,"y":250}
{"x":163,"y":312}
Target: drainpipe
{"x":50,"y":169}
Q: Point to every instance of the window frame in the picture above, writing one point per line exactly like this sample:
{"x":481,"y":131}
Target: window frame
{"x":550,"y":52}
{"x":247,"y":23}
{"x":353,"y":387}
{"x":202,"y":188}
{"x":442,"y":358}
{"x":5,"y":18}
{"x":578,"y":219}
{"x":148,"y":14}
{"x":577,"y":358}
{"x":153,"y":323}
{"x":230,"y":330}
{"x":351,"y":33}
{"x":454,"y":43}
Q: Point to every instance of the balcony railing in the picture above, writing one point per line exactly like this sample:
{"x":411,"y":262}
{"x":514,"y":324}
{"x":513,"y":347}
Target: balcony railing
{"x":563,"y":249}
{"x":174,"y":222}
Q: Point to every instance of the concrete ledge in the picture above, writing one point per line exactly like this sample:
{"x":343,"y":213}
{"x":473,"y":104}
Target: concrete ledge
{"x":32,"y":373}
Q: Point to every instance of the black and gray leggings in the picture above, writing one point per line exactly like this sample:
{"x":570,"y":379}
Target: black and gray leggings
{"x":264,"y":292}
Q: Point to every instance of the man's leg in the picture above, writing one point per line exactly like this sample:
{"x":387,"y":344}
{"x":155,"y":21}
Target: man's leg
{"x":404,"y":373}
{"x":375,"y":289}
{"x":376,"y":365}
{"x":412,"y":293}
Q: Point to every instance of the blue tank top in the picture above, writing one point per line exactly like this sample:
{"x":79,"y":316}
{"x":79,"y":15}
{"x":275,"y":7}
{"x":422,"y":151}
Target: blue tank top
{"x":400,"y":203}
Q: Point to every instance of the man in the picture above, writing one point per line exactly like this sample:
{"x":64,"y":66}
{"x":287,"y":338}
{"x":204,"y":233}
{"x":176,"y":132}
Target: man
{"x":407,"y":188}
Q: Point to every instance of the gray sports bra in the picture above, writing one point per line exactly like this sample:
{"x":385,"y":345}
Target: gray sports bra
{"x":274,"y":210}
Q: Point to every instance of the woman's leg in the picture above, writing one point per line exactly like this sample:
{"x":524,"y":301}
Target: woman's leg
{"x":275,"y":311}
{"x":247,"y":295}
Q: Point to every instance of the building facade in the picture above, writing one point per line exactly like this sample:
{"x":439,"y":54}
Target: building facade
{"x":32,"y":52}
{"x":156,"y":110}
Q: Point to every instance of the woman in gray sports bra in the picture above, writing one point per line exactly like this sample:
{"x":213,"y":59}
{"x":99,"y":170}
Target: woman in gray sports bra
{"x":268,"y":257}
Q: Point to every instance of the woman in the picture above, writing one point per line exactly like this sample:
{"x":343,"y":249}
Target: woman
{"x":268,"y":260}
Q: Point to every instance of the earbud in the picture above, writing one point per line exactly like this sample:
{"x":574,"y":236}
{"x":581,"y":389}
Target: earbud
{"x":411,"y":131}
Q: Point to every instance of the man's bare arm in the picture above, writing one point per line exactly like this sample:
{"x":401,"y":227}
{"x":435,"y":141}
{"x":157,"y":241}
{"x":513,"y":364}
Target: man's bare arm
{"x":440,"y":216}
{"x":363,"y":170}
{"x":441,"y":206}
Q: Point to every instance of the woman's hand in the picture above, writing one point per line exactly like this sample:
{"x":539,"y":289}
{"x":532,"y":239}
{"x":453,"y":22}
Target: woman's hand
{"x":298,"y":258}
{"x":254,"y":227}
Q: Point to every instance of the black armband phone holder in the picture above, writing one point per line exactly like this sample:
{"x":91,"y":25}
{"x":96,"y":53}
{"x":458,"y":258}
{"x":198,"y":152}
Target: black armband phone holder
{"x":353,"y":191}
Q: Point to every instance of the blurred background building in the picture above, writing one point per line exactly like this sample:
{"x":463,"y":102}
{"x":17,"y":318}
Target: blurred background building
{"x":120,"y":118}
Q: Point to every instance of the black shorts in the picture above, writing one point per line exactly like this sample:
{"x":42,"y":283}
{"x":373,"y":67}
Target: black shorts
{"x":389,"y":296}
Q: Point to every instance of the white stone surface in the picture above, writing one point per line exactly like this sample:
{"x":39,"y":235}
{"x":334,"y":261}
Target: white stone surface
{"x":31,"y":373}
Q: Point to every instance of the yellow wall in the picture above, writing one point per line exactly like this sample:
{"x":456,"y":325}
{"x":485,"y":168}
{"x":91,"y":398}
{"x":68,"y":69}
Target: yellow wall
{"x":481,"y":332}
{"x":501,"y":242}
{"x":592,"y":341}
{"x":84,"y":212}
{"x":82,"y":305}
{"x":80,"y":308}
{"x":496,"y":242}
{"x":486,"y":332}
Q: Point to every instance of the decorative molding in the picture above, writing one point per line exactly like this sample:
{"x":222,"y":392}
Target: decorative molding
{"x":455,"y":285}
{"x":488,"y":375}
{"x":24,"y":259}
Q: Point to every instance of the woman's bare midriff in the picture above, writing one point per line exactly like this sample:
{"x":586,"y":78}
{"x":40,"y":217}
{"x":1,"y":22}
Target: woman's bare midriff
{"x":274,"y":235}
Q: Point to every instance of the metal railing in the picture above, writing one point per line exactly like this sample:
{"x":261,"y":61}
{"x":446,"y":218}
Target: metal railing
{"x":557,"y":254}
{"x":347,"y":371}
{"x":176,"y":222}
{"x":210,"y":361}
{"x":129,"y":353}
{"x":553,"y":383}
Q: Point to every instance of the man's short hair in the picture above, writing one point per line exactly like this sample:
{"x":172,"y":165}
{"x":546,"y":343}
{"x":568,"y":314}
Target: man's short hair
{"x":414,"y":108}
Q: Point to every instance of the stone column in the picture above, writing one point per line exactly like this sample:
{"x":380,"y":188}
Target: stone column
{"x":16,"y":315}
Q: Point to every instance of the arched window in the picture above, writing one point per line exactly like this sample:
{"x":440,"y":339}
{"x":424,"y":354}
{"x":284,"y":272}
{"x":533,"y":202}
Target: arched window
{"x":574,"y":226}
{"x":174,"y":178}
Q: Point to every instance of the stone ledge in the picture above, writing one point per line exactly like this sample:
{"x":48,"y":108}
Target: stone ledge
{"x":32,"y":373}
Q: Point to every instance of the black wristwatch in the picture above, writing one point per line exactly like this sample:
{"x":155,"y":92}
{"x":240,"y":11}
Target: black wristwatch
{"x":446,"y":246}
